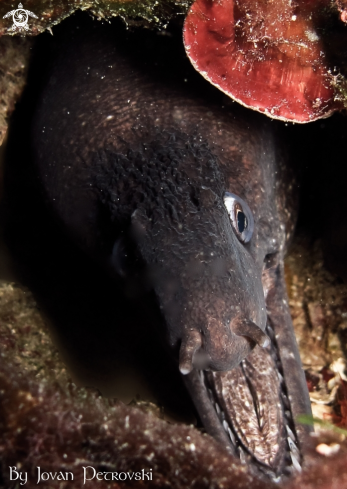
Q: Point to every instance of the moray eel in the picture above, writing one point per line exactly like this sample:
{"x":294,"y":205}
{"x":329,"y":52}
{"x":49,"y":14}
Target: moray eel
{"x":175,"y":192}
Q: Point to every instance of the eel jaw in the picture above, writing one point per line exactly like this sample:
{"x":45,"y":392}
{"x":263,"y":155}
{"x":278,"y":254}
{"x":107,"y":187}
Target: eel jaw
{"x":248,"y":411}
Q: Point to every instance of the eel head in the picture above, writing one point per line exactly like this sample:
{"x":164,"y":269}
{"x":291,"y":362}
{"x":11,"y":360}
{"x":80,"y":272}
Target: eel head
{"x":202,"y":253}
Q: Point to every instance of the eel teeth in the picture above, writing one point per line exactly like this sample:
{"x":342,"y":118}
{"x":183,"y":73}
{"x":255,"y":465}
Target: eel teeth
{"x":295,"y":462}
{"x":227,"y":429}
{"x":218,"y":409}
{"x":290,"y":433}
{"x":231,"y":436}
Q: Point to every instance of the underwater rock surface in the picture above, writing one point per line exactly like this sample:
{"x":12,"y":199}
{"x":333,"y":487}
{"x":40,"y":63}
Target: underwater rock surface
{"x":49,"y":14}
{"x":14,"y":62}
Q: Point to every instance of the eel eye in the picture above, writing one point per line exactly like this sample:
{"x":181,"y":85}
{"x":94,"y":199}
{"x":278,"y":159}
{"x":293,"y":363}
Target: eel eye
{"x":240,"y":216}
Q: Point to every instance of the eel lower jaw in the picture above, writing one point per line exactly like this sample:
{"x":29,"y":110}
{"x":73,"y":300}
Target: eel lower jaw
{"x":247,"y":410}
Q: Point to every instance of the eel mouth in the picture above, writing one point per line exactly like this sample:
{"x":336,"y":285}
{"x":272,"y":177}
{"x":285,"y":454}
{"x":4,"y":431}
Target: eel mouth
{"x":248,"y":410}
{"x":254,"y":403}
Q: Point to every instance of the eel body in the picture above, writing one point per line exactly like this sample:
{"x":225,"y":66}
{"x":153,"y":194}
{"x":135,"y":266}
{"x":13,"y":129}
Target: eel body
{"x":169,"y":189}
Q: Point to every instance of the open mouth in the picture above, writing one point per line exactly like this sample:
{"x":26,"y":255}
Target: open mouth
{"x":253,"y":408}
{"x":248,"y":410}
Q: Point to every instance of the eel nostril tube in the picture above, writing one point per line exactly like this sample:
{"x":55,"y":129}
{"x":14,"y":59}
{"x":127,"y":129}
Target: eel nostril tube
{"x":188,"y":348}
{"x":252,"y":331}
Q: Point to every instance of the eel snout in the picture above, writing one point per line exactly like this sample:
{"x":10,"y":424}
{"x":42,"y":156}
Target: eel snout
{"x":225,"y":349}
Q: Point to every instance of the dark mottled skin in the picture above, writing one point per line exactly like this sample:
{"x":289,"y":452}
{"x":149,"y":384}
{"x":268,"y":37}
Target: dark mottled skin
{"x":125,"y":148}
